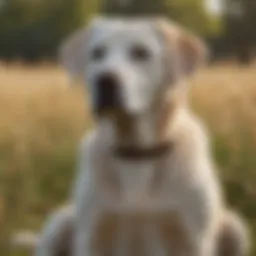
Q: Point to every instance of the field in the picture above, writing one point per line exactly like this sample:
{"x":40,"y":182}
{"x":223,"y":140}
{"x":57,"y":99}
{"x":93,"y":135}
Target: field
{"x":42,"y":119}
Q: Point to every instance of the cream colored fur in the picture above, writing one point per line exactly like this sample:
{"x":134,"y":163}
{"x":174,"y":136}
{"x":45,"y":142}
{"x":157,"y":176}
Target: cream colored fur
{"x":170,"y":205}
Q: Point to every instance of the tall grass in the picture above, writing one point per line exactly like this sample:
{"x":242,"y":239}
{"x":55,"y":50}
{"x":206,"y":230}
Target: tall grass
{"x":225,"y":97}
{"x":42,"y":120}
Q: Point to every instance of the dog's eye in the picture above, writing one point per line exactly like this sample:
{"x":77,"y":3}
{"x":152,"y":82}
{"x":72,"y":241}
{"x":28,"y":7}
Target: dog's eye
{"x":98,"y":53}
{"x":140,"y":53}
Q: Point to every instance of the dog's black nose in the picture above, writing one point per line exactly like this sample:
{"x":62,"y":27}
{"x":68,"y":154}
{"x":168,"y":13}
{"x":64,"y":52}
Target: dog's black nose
{"x":107,"y":92}
{"x":107,"y":79}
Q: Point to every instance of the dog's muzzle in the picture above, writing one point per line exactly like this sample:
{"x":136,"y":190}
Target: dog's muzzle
{"x":107,"y":93}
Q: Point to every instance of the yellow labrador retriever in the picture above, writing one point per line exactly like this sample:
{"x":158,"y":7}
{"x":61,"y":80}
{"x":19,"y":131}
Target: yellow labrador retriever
{"x":146,"y":183}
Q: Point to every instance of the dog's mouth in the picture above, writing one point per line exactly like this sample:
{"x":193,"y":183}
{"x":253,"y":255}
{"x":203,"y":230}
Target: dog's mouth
{"x":107,"y":101}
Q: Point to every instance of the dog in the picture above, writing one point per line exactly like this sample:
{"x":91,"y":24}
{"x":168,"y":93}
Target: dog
{"x":146,"y":184}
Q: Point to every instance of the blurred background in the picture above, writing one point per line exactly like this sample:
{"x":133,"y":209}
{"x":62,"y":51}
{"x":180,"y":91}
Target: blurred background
{"x":42,"y":119}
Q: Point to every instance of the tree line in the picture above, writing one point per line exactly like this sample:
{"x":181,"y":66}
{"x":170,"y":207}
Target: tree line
{"x":33,"y":30}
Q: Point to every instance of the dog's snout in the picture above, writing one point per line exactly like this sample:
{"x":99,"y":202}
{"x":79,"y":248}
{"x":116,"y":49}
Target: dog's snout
{"x":107,"y":91}
{"x":108,"y":80}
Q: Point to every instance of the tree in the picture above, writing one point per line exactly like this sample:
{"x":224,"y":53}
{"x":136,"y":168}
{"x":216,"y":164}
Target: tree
{"x":134,"y":7}
{"x":194,"y":15}
{"x":240,"y":21}
{"x":191,"y":13}
{"x":32,"y":29}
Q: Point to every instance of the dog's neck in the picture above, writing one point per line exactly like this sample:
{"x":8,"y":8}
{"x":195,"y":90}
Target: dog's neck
{"x":140,"y":131}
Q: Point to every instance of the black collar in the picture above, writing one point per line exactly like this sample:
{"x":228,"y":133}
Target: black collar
{"x":139,"y":153}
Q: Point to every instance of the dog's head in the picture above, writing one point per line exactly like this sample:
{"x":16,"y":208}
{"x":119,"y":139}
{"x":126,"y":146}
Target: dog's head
{"x":127,"y":64}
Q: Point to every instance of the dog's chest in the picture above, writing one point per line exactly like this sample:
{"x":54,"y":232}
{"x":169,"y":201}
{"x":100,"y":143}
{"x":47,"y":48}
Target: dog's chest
{"x":136,"y":215}
{"x":136,"y":178}
{"x":134,"y":185}
{"x":142,"y":205}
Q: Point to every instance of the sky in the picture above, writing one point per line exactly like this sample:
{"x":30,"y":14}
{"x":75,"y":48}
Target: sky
{"x":214,"y":6}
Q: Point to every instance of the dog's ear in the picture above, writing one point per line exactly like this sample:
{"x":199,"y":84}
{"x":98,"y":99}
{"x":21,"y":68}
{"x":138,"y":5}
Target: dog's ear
{"x":193,"y":52}
{"x":72,"y":52}
{"x":190,"y":50}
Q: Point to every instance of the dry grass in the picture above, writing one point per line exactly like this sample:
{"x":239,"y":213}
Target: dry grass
{"x":42,"y":120}
{"x":226,"y":97}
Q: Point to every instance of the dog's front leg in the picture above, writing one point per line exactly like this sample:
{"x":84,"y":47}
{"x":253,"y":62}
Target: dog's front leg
{"x":85,"y":223}
{"x":203,"y":211}
{"x":83,"y":236}
{"x":85,"y":201}
{"x":57,"y":236}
